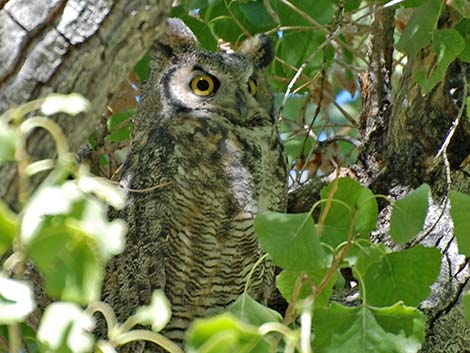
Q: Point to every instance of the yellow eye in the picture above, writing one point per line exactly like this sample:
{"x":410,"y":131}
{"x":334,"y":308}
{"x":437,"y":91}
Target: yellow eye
{"x":202,"y":85}
{"x":252,"y":86}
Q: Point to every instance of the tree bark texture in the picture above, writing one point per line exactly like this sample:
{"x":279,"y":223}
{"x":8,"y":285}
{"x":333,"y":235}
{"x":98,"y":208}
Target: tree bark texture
{"x":64,"y":46}
{"x":402,"y":135}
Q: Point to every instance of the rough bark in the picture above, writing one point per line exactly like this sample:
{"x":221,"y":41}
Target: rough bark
{"x":66,"y":46}
{"x":402,"y":135}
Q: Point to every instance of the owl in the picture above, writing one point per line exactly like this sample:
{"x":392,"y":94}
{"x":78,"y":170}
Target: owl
{"x":205,"y":158}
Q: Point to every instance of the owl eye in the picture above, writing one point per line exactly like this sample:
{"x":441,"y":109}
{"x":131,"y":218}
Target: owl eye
{"x":252,"y":86}
{"x":203,"y":85}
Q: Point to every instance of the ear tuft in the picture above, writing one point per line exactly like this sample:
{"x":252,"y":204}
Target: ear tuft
{"x":178,"y":34}
{"x":259,"y":49}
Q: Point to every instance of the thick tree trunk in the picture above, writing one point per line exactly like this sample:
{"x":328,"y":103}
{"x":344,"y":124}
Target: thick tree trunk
{"x":402,"y":136}
{"x":66,"y":46}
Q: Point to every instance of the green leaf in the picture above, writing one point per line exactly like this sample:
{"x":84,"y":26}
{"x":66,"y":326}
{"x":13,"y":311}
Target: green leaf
{"x":202,"y":31}
{"x":224,"y":334}
{"x":295,"y":47}
{"x":405,"y":276}
{"x":286,"y":280}
{"x":447,"y":44}
{"x":341,"y":329}
{"x":71,"y":104}
{"x":466,"y":306}
{"x":142,"y":68}
{"x":322,"y":12}
{"x":8,"y":227}
{"x":409,"y":214}
{"x":120,"y":126}
{"x":253,"y":16}
{"x":459,"y":210}
{"x":16,"y":300}
{"x":8,"y":139}
{"x":464,"y":29}
{"x":422,"y":23}
{"x":462,"y":6}
{"x":67,"y":259}
{"x":297,"y":146}
{"x":250,"y":311}
{"x":291,"y":240}
{"x":65,"y":328}
{"x":360,"y":256}
{"x":157,"y":314}
{"x":350,"y":198}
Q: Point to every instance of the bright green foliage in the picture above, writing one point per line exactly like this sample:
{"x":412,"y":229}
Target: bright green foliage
{"x":409,"y":214}
{"x":8,"y":227}
{"x":394,"y":329}
{"x":224,"y":334}
{"x":286,"y":281}
{"x":405,"y":276}
{"x":120,"y":126}
{"x":460,"y":206}
{"x":447,"y":44}
{"x":250,"y":311}
{"x":464,"y":29}
{"x":157,"y":314}
{"x":462,"y":6}
{"x":291,"y":240}
{"x":351,"y":203}
{"x":466,"y":305}
{"x":362,"y":256}
{"x":419,"y":30}
{"x":8,"y":142}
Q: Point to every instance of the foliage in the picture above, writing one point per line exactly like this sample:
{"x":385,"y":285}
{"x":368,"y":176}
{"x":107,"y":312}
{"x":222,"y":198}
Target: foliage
{"x":63,"y":227}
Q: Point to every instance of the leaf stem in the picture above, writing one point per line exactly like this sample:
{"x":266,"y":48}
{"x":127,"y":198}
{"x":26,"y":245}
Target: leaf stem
{"x":146,"y":335}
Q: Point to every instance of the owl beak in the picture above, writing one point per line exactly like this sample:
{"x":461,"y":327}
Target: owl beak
{"x":240,"y":101}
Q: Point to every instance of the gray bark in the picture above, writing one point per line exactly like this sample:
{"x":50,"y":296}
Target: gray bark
{"x":64,"y":46}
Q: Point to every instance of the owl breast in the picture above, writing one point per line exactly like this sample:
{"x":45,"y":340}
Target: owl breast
{"x":224,"y":175}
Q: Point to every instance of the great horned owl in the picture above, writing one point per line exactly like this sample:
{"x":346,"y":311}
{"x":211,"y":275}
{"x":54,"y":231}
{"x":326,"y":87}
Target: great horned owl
{"x":206,"y":158}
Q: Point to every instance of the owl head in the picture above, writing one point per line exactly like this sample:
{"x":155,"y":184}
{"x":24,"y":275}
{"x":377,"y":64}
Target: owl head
{"x":195,"y":82}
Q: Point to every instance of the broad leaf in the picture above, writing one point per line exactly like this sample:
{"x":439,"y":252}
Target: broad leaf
{"x":286,"y":280}
{"x":291,"y":240}
{"x":65,"y":328}
{"x":409,"y":214}
{"x":322,"y":12}
{"x":157,"y":314}
{"x":402,"y":276}
{"x":395,"y":329}
{"x":466,"y":306}
{"x":460,"y":211}
{"x":464,"y":29}
{"x":351,"y":199}
{"x":16,"y":300}
{"x":224,"y":334}
{"x":69,"y":262}
{"x":447,"y":44}
{"x":8,"y":227}
{"x":8,"y":139}
{"x":250,"y":311}
{"x":462,"y":6}
{"x":360,"y":257}
{"x":418,"y":32}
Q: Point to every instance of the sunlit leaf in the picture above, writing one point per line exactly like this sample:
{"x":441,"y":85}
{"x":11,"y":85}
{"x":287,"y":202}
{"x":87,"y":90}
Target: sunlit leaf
{"x":16,"y":300}
{"x":65,"y":328}
{"x":8,"y":227}
{"x":224,"y":334}
{"x":466,"y":305}
{"x":8,"y":139}
{"x":419,"y":30}
{"x":249,"y":310}
{"x":291,"y":240}
{"x":395,"y":329}
{"x":409,"y":214}
{"x":447,"y":44}
{"x":459,"y":210}
{"x":157,"y":314}
{"x":71,"y":104}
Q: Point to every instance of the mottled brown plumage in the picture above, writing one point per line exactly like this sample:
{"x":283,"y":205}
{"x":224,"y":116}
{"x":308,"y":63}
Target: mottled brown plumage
{"x":218,"y":161}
